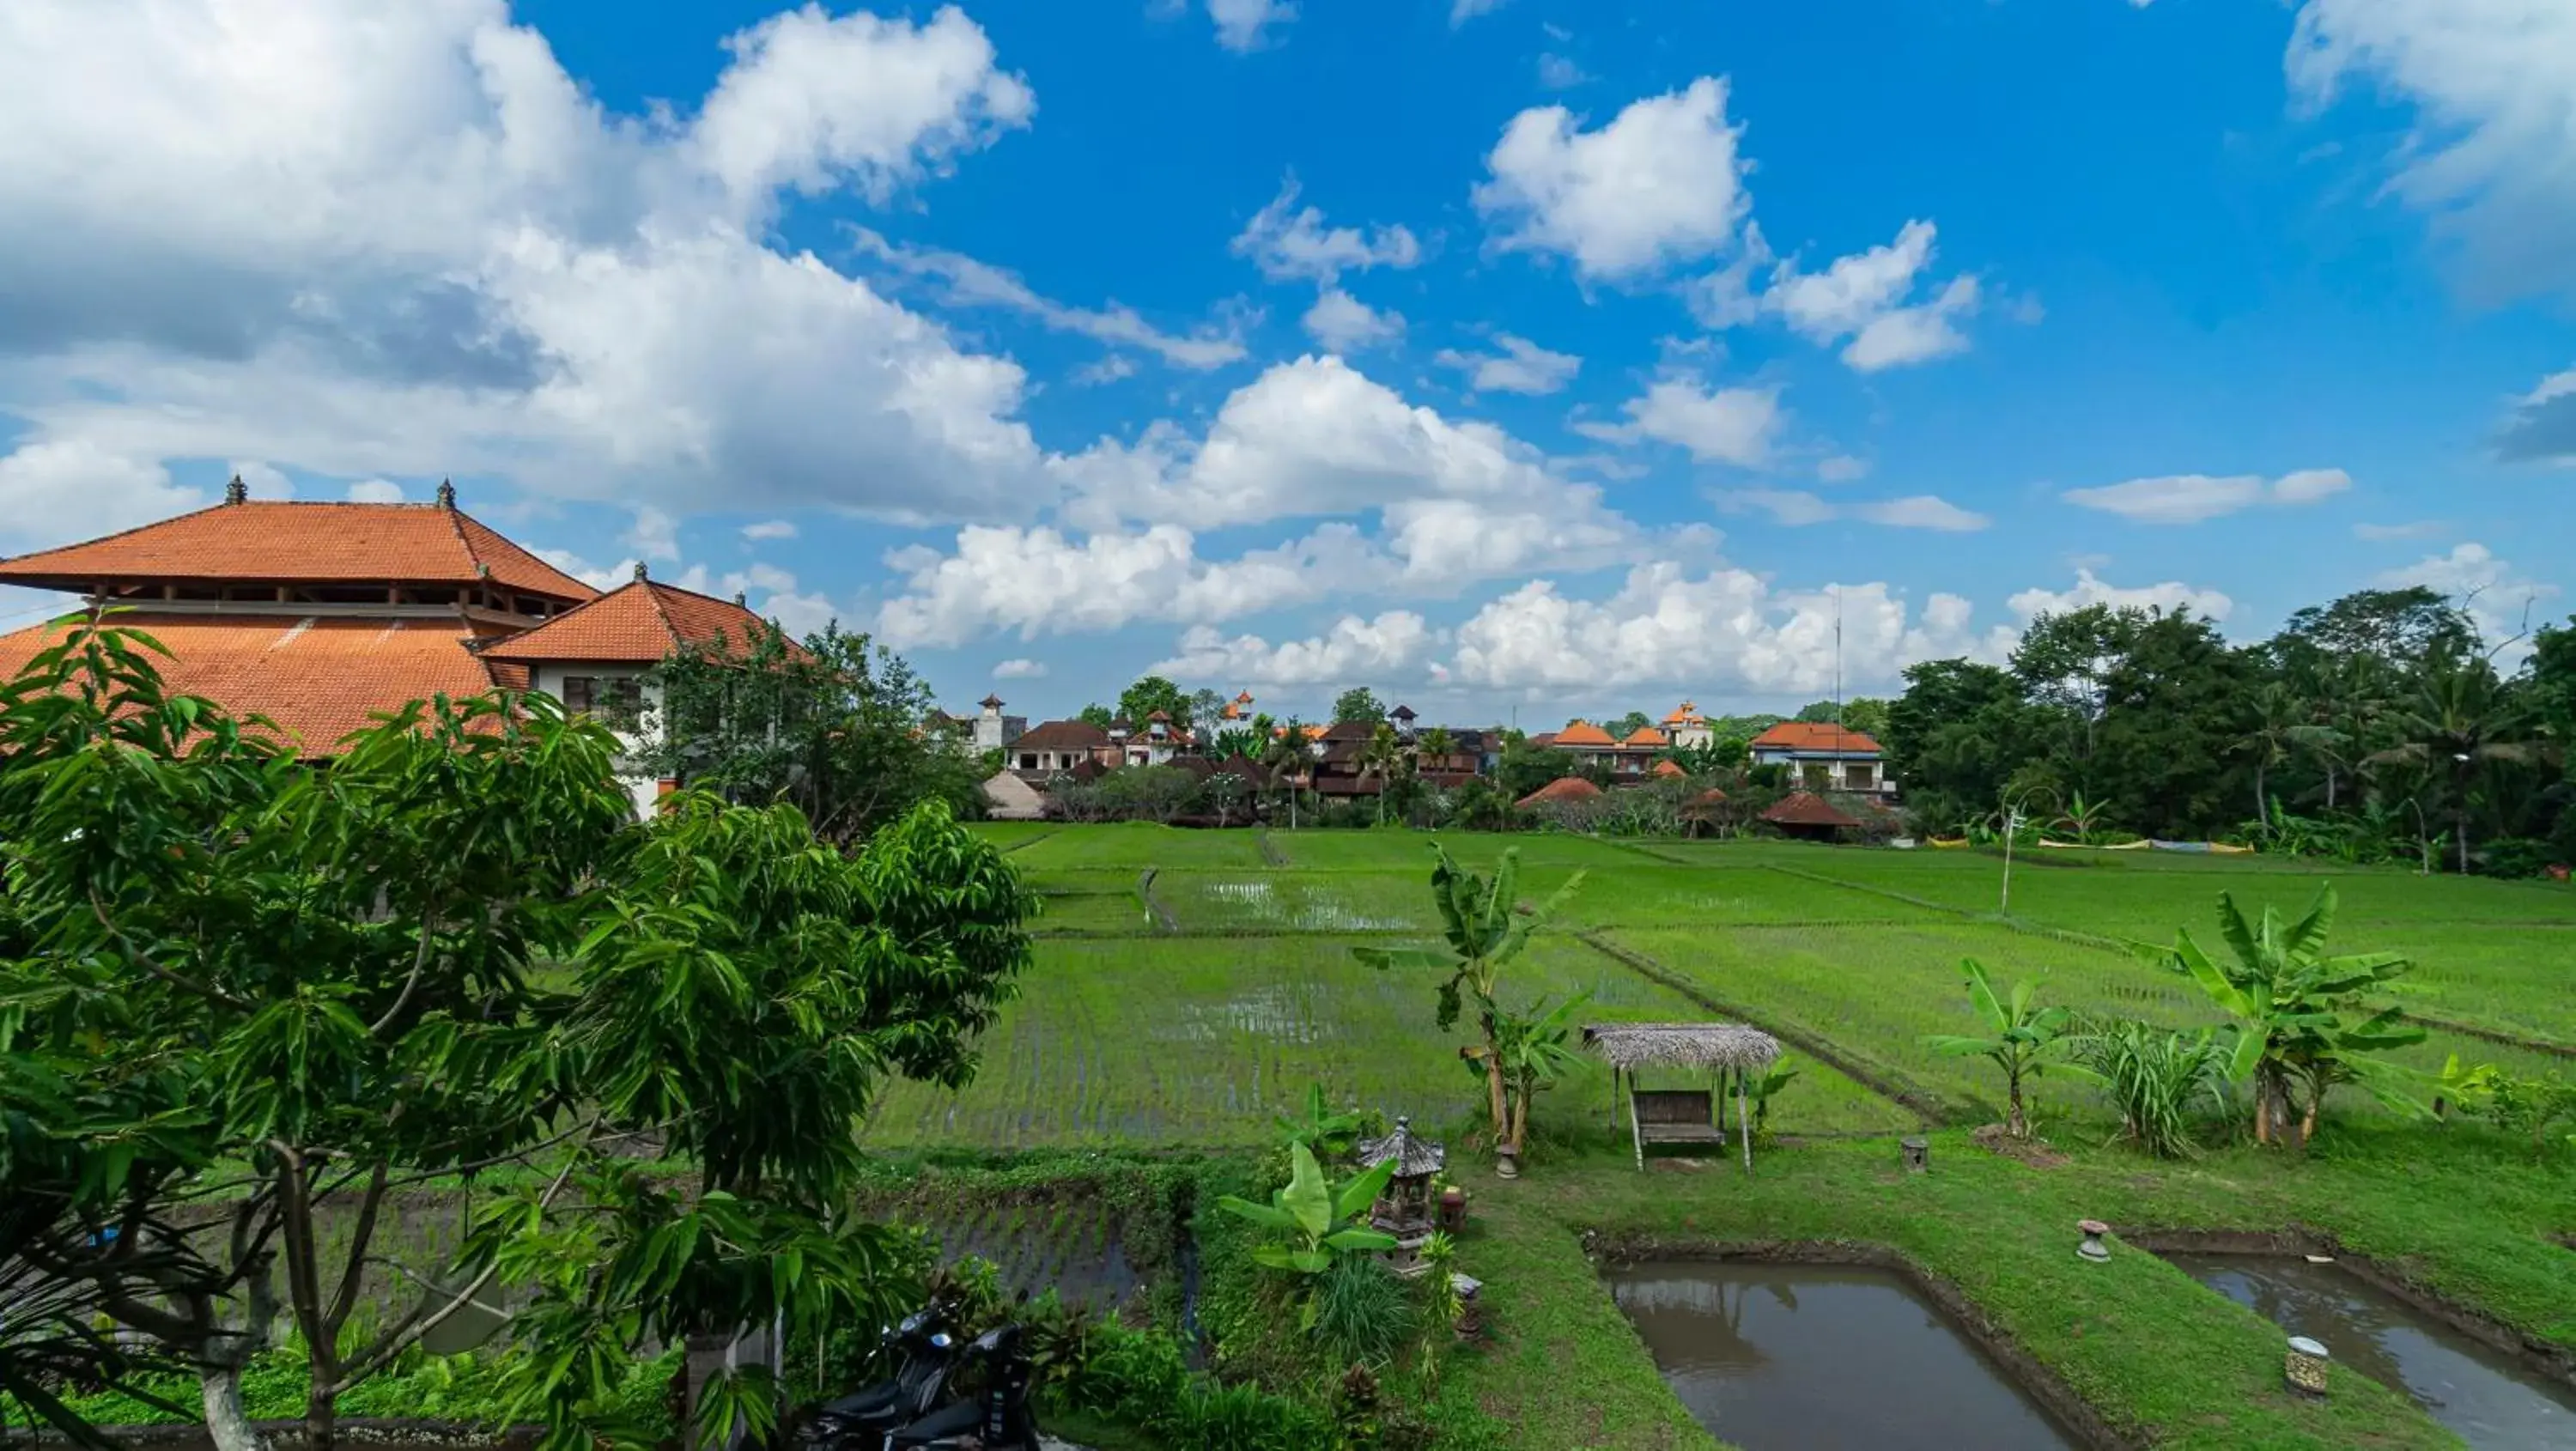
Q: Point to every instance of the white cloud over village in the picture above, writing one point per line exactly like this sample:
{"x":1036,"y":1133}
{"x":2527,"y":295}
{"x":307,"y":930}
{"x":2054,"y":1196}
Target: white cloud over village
{"x":367,"y":248}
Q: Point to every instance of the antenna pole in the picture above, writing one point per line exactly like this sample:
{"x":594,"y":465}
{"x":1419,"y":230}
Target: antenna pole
{"x":1838,"y":655}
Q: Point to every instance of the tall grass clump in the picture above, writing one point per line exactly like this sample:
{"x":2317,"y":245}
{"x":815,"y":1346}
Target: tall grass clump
{"x":2154,"y":1077}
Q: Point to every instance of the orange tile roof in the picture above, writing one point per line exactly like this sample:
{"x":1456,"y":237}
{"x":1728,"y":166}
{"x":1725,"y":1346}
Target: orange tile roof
{"x":1669,"y":769}
{"x":318,"y":678}
{"x":640,"y":623}
{"x":1582,"y":733}
{"x":1566,"y":788}
{"x":1806,"y":808}
{"x":1688,"y":714}
{"x":1802,"y":735}
{"x":295,"y":541}
{"x":1646,"y":736}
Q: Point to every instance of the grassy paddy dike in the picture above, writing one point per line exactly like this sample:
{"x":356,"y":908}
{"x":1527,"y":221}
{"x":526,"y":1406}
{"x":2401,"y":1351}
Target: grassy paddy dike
{"x":1173,"y":1018}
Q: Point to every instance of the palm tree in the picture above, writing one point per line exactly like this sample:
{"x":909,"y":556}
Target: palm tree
{"x":1286,"y":757}
{"x":2281,"y":724}
{"x":1438,"y":744}
{"x":2460,"y":724}
{"x":1379,"y":758}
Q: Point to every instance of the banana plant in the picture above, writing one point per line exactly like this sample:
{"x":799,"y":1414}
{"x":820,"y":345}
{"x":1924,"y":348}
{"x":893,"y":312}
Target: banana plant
{"x":2018,"y":1032}
{"x":1314,"y":1221}
{"x":2289,"y":1001}
{"x":1485,"y":928}
{"x":1330,"y":1134}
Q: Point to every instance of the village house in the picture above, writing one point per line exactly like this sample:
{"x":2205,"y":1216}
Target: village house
{"x":1058,"y":746}
{"x":321,"y":616}
{"x":1821,"y":756}
{"x":1628,"y":759}
{"x":1687,"y":728}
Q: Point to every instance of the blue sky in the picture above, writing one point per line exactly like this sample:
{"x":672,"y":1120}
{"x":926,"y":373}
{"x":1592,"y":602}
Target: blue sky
{"x":1507,"y":356}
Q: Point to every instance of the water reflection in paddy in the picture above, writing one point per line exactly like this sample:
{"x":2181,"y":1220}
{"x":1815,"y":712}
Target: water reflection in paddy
{"x":2487,"y":1398}
{"x":1823,"y":1358}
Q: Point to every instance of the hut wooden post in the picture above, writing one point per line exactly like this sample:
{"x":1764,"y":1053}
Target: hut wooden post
{"x":1743,"y":1125}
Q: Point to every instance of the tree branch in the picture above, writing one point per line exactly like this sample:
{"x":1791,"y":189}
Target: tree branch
{"x":402,"y":1000}
{"x":417,"y":1324}
{"x":98,"y":907}
{"x":347,"y":1297}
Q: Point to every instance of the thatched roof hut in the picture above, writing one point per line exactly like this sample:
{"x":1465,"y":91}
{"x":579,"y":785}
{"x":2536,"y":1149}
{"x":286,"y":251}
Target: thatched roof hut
{"x":1806,"y":814}
{"x":1631,"y":1046}
{"x":1681,"y":1116}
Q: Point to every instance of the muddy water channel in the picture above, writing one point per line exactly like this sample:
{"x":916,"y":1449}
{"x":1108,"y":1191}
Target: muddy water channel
{"x":2486,"y":1397}
{"x":1823,"y":1358}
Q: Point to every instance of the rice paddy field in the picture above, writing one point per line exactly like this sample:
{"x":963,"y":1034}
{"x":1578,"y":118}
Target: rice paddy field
{"x":1190,"y":985}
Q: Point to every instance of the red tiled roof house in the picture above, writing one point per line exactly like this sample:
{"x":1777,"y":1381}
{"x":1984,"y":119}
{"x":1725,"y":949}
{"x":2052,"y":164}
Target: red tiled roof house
{"x":1825,"y":757}
{"x":321,"y":617}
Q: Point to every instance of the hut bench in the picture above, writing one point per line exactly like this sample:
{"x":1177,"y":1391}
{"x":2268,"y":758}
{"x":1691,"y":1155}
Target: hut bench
{"x":1682,"y":1116}
{"x":1675,"y":1116}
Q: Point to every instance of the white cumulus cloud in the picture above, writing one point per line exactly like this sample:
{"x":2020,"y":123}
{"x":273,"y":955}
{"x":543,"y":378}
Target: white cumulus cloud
{"x":1353,"y":651}
{"x":1660,"y":183}
{"x":2193,"y":498}
{"x":1716,"y":425}
{"x":1345,"y":324}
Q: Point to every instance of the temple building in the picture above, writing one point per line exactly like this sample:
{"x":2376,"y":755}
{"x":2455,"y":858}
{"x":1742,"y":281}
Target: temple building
{"x":320,"y":616}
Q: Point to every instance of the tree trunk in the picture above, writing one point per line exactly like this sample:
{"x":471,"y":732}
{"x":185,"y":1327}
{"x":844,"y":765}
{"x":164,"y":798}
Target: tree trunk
{"x":2330,"y":790}
{"x":2016,"y":1125}
{"x":321,"y":1418}
{"x":1520,"y":1119}
{"x":2464,"y":838}
{"x":1494,"y":1081}
{"x":227,"y":1425}
{"x":2262,"y":802}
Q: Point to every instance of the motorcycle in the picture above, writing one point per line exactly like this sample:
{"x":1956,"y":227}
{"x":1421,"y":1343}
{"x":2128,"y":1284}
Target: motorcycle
{"x":924,"y":1354}
{"x":997,"y":1418}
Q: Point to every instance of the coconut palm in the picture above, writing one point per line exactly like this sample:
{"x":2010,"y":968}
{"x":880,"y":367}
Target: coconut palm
{"x":1286,"y":758}
{"x":1382,"y":757}
{"x":2281,"y":725}
{"x":2461,"y":723}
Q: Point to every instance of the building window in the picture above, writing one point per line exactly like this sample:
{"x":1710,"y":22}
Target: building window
{"x":1819,"y":776}
{"x":579,"y":691}
{"x":616,"y":699}
{"x":1860,"y":775}
{"x":1028,"y":761}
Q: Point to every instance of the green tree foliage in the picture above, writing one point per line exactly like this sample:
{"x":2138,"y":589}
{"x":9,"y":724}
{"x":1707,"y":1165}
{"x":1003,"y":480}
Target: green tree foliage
{"x":1359,"y":703}
{"x":1152,"y":693}
{"x":1628,"y":725}
{"x":453,"y":952}
{"x":2367,"y":726}
{"x":2291,"y":1003}
{"x":1096,"y":714}
{"x":830,"y":725}
{"x":2017,"y":1036}
{"x":1524,"y":767}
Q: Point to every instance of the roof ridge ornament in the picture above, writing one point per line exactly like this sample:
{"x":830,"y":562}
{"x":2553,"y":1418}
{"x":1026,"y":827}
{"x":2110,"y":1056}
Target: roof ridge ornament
{"x":639,"y":571}
{"x":447,"y":494}
{"x":237,"y":492}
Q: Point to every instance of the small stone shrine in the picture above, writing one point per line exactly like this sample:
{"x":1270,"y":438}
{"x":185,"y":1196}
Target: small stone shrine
{"x":1405,"y":1208}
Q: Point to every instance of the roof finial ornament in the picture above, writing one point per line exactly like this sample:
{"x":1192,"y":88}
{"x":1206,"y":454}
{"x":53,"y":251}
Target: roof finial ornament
{"x":741,"y":601}
{"x":447,"y":493}
{"x":639,"y":571}
{"x":237,"y":492}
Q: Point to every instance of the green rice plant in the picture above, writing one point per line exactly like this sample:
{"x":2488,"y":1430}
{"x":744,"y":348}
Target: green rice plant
{"x":2154,"y":1076}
